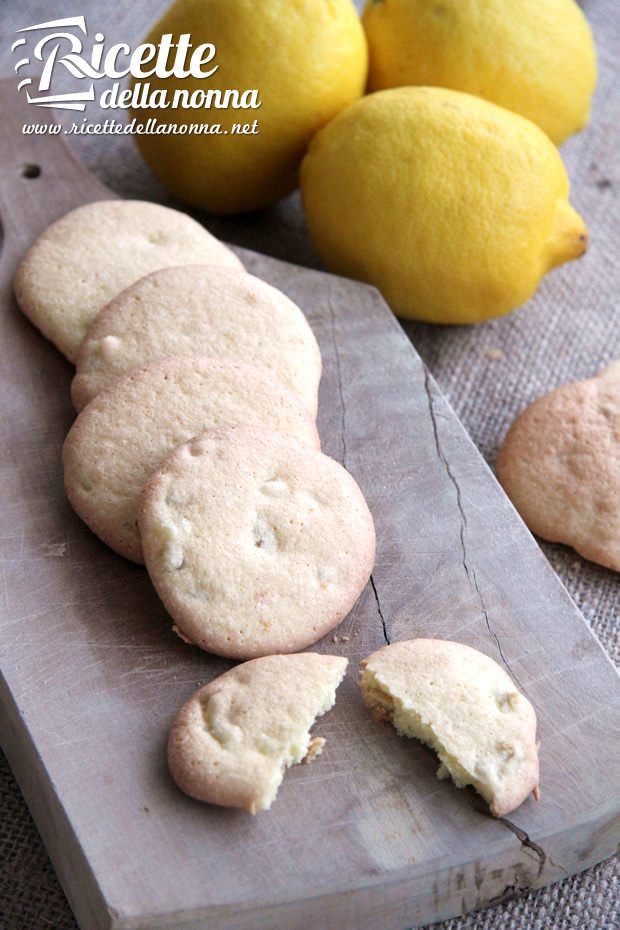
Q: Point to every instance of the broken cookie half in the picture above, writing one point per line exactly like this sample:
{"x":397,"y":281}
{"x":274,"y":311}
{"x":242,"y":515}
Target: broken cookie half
{"x":466,"y":708}
{"x":231,"y":743}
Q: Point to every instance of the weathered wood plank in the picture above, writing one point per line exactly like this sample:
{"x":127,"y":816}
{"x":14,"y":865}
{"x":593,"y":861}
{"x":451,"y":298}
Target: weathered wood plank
{"x":366,"y":837}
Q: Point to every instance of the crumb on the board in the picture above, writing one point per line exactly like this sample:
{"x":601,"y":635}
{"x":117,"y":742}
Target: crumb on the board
{"x":494,"y":355}
{"x":315,"y":748}
{"x":55,"y":550}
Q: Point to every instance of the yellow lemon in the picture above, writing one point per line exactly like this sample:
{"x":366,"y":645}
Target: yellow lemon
{"x":535,"y":57}
{"x":306,"y":58}
{"x":453,"y":207}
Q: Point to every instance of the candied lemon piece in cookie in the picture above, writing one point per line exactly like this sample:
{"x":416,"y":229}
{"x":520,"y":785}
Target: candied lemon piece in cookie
{"x":231,"y":743}
{"x":254,"y":543}
{"x":125,"y":433}
{"x":466,"y":708}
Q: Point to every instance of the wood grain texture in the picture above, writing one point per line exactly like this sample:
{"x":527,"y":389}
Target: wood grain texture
{"x":366,"y":837}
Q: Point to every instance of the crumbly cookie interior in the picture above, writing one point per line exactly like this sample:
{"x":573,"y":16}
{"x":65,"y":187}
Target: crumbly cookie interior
{"x":387,"y":706}
{"x":281,"y":743}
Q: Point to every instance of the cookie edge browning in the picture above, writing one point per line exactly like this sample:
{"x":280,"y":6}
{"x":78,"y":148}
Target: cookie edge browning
{"x":26,"y":305}
{"x":498,"y":806}
{"x":80,"y":392}
{"x":131,"y":548}
{"x":21,"y":291}
{"x":177,"y":609}
{"x":200,"y":787}
{"x":529,"y":510}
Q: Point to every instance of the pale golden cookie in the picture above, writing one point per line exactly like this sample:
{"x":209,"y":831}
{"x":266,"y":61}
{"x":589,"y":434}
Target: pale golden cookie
{"x":464,"y":706}
{"x":560,"y":466}
{"x":199,"y":310}
{"x":88,"y":256}
{"x":231,"y":743}
{"x":124,"y":434}
{"x":254,"y":543}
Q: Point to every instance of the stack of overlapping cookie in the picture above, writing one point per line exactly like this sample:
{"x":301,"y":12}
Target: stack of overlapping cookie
{"x":196,"y":452}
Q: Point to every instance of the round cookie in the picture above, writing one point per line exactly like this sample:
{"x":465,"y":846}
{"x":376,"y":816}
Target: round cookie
{"x":560,"y":466}
{"x":199,"y":310}
{"x":466,"y":708}
{"x":232,"y":741}
{"x":271,"y":558}
{"x":122,"y":436}
{"x":85,"y":258}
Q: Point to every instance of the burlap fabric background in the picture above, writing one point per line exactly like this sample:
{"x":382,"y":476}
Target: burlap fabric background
{"x":568,"y":331}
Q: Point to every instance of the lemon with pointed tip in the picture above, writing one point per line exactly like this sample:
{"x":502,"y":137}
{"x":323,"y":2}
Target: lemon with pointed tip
{"x":535,"y":57}
{"x":453,"y":207}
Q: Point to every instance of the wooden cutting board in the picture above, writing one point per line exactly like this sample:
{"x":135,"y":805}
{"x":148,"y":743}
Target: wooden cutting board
{"x":366,"y":837}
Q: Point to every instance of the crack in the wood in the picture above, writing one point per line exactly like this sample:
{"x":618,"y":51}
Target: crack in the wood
{"x":449,"y":472}
{"x":343,"y":420}
{"x":343,"y":427}
{"x":491,"y":631}
{"x":509,"y":893}
{"x":527,"y":843}
{"x":470,"y":572}
{"x":379,"y":611}
{"x":523,"y":880}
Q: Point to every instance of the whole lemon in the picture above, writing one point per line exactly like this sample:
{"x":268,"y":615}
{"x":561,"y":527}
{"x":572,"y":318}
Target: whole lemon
{"x":535,"y":57}
{"x":453,"y":207}
{"x":307,"y":59}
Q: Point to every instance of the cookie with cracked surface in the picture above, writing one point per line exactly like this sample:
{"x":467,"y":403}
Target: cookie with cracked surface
{"x":560,"y":466}
{"x":231,"y":743}
{"x":270,"y":557}
{"x":466,"y":708}
{"x":125,"y":433}
{"x":92,"y":253}
{"x":199,"y":310}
